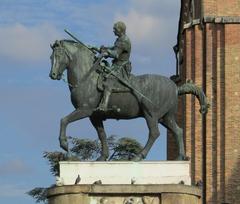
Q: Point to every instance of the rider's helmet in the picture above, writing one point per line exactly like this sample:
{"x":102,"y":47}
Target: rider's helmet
{"x":120,"y":27}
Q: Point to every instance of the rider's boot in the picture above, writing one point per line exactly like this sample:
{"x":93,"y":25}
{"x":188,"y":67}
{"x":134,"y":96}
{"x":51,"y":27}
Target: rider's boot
{"x":105,"y":99}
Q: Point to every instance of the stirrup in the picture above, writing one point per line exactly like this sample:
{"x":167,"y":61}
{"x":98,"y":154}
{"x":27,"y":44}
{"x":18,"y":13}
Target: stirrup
{"x":101,"y":108}
{"x":114,"y":108}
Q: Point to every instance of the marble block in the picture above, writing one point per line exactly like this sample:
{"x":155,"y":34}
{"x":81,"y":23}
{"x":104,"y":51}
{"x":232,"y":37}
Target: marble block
{"x":122,"y":172}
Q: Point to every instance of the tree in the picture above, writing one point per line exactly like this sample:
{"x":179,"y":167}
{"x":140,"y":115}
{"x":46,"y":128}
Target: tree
{"x":85,"y":149}
{"x":54,"y":158}
{"x":39,"y":194}
{"x":125,"y":149}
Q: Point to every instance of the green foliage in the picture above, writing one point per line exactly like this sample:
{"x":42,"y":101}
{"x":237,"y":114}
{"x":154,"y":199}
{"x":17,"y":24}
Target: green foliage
{"x":125,"y":149}
{"x":53,"y":159}
{"x":39,"y":194}
{"x":85,"y":149}
{"x":111,"y":141}
{"x":121,"y":149}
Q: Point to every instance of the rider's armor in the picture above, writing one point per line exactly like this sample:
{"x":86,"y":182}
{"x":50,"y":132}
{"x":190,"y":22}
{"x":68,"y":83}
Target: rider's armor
{"x":121,"y":66}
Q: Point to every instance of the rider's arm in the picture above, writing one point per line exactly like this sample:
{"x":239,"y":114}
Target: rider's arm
{"x":94,"y":48}
{"x":116,"y":50}
{"x":110,"y":47}
{"x":101,"y":49}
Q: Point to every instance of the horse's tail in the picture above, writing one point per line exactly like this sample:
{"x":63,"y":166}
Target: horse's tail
{"x":190,"y":88}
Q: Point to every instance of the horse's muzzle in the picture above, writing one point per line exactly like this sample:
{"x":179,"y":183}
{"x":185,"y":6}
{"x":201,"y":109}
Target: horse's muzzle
{"x":54,"y":76}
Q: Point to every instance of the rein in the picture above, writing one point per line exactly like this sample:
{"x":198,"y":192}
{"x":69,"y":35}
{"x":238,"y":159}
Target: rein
{"x":64,"y":79}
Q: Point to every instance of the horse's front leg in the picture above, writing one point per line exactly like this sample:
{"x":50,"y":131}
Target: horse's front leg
{"x":74,"y":116}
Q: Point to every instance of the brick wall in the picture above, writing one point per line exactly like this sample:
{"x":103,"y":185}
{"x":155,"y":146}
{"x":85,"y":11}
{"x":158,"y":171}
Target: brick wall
{"x":211,"y":58}
{"x":221,"y":7}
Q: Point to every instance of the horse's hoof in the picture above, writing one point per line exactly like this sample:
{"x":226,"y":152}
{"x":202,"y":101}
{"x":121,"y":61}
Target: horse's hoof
{"x":63,"y":143}
{"x":137,"y":158}
{"x":64,"y":146}
{"x":101,"y":158}
{"x":182,"y":157}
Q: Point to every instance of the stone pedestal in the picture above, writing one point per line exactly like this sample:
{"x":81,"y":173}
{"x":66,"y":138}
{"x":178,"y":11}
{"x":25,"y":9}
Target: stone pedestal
{"x":121,"y":172}
{"x":125,"y":194}
{"x":124,"y":183}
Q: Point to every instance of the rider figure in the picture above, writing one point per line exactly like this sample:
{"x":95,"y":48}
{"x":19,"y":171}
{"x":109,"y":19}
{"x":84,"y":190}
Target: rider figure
{"x":121,"y":65}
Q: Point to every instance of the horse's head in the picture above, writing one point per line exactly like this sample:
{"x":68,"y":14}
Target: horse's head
{"x":60,"y":59}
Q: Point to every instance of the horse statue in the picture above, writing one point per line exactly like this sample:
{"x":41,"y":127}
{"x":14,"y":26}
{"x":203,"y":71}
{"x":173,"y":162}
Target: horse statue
{"x":82,"y":76}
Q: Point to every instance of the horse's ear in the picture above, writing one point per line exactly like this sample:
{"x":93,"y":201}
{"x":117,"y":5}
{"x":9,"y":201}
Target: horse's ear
{"x":57,"y":43}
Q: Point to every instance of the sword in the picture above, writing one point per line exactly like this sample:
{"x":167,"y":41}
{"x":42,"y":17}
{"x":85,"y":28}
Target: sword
{"x":129,"y":85}
{"x":116,"y":68}
{"x":88,"y":47}
{"x":111,"y":71}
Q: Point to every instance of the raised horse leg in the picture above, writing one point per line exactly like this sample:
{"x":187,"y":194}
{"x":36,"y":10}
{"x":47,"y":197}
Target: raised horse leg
{"x":74,"y":116}
{"x":170,"y":123}
{"x":98,"y":124}
{"x":152,"y":123}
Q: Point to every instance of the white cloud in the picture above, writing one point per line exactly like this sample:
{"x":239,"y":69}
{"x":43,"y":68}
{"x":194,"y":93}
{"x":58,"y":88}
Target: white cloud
{"x":146,"y":25}
{"x":22,"y":43}
{"x":151,"y":4}
{"x":141,"y":26}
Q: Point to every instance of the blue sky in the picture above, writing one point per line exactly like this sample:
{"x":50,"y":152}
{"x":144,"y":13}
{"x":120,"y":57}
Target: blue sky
{"x":32,"y":104}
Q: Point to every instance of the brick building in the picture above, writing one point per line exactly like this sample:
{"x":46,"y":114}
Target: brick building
{"x":209,"y":54}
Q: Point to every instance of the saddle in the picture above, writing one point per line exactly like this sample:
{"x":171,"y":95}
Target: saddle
{"x":106,"y":79}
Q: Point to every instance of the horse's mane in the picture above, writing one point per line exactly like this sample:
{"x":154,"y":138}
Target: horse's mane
{"x":74,"y":43}
{"x":68,"y":41}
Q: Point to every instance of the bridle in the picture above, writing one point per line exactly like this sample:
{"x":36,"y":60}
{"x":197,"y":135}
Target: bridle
{"x":61,"y":51}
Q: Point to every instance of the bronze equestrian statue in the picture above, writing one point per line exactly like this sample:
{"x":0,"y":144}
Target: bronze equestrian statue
{"x":153,"y":97}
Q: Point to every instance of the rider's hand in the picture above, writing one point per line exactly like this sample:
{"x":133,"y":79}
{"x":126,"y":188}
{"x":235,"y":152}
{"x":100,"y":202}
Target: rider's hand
{"x":102,"y":48}
{"x":105,"y":54}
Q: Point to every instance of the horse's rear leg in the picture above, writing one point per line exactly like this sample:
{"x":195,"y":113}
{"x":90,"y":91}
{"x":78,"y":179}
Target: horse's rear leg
{"x":170,"y":123}
{"x":74,"y":116}
{"x":98,"y":124}
{"x":154,"y":133}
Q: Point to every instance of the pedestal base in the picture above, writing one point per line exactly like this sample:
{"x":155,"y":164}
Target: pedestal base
{"x":125,"y":194}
